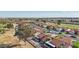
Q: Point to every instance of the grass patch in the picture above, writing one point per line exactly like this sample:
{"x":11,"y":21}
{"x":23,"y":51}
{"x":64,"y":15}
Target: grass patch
{"x":71,"y":26}
{"x":75,"y":44}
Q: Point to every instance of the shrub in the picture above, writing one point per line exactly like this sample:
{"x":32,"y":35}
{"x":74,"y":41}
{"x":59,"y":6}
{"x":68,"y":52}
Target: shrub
{"x":75,"y":44}
{"x":9,"y":25}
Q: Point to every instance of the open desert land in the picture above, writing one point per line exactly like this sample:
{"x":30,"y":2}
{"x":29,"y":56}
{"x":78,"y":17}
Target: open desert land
{"x":9,"y":38}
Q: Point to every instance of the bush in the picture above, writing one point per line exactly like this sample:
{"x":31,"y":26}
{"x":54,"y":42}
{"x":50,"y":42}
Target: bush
{"x":9,"y":25}
{"x":2,"y":30}
{"x":75,"y":44}
{"x":59,"y":22}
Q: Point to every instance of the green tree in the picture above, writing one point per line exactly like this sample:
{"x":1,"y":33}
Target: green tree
{"x":59,"y":22}
{"x":9,"y":25}
{"x":44,"y":21}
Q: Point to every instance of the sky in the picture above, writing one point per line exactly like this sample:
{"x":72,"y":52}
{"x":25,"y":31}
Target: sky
{"x":39,"y":13}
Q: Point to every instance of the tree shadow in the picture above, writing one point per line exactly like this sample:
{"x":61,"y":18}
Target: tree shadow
{"x":8,"y":45}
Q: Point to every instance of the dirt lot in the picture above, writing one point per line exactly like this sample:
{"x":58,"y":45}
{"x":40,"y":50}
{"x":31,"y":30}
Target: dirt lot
{"x":8,"y":37}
